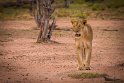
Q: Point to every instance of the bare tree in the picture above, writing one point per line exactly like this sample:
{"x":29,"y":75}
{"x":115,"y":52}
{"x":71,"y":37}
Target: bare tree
{"x":66,"y":3}
{"x":42,"y":12}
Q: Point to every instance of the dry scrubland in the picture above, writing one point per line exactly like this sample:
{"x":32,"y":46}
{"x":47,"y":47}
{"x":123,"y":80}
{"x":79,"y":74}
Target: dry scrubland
{"x":22,"y":60}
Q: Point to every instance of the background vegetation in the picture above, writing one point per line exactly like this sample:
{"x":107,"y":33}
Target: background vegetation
{"x":100,"y":9}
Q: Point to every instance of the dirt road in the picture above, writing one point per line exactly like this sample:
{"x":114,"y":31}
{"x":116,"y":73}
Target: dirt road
{"x":22,"y":60}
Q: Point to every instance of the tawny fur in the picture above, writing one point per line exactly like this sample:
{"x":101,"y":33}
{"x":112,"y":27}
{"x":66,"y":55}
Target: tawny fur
{"x":83,"y":41}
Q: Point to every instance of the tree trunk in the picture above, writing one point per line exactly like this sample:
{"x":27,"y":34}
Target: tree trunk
{"x":39,"y":36}
{"x":44,"y":11}
{"x":66,"y":3}
{"x":44,"y":34}
{"x":52,"y":27}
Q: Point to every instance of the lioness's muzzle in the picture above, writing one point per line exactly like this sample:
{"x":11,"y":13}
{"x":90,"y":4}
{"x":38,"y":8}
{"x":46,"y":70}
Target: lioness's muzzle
{"x":77,"y":34}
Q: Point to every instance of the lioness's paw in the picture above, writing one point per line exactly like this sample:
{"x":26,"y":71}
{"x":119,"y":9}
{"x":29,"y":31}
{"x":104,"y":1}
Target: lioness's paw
{"x":84,"y":68}
{"x":87,"y":68}
{"x":80,"y":68}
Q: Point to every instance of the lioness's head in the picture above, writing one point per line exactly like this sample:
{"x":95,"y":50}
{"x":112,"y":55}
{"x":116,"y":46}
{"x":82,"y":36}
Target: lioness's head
{"x":78,"y":23}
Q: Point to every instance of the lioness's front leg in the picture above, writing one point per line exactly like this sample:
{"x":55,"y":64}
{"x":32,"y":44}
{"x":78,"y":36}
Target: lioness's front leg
{"x":80,"y":54}
{"x":88,"y":51}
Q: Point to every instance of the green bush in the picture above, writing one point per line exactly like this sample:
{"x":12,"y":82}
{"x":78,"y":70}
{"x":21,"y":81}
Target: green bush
{"x":79,"y":1}
{"x":63,"y":12}
{"x":114,"y":3}
{"x":12,"y":13}
{"x":97,"y":7}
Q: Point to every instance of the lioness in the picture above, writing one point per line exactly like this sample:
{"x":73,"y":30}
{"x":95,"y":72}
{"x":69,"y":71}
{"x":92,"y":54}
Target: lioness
{"x":83,"y":41}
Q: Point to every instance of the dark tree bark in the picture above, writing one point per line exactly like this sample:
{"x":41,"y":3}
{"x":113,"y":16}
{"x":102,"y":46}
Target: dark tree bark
{"x":42,"y":14}
{"x":52,"y":27}
{"x":66,"y":3}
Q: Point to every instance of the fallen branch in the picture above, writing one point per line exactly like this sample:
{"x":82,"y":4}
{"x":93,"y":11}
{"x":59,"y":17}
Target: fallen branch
{"x":110,"y":30}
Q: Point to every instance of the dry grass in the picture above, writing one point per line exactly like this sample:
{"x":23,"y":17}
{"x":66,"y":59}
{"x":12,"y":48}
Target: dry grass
{"x":86,"y":75}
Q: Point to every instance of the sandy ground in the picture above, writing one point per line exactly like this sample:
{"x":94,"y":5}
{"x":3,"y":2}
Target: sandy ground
{"x":22,"y":60}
